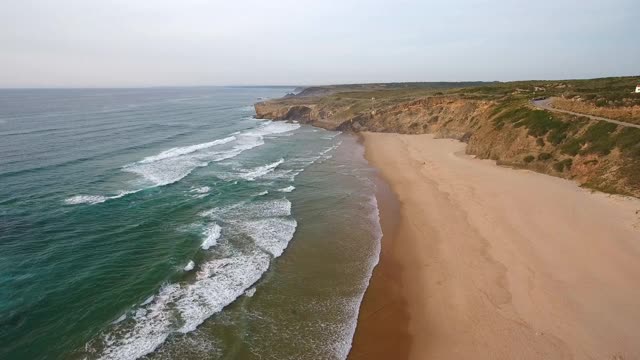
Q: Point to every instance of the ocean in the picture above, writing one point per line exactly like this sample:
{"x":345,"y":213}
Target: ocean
{"x":169,"y":223}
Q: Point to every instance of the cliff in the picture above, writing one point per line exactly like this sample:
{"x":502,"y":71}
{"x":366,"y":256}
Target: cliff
{"x":597,"y":155}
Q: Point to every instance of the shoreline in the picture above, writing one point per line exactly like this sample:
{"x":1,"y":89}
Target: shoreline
{"x":488,"y":262}
{"x":383,"y":300}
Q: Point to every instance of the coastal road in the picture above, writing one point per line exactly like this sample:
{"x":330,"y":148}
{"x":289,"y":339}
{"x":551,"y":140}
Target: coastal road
{"x":546,"y":105}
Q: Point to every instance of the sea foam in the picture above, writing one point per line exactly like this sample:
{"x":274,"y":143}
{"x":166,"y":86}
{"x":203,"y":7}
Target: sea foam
{"x":259,"y":171}
{"x":93,"y":199}
{"x":179,"y":151}
{"x":189,"y":266}
{"x":86,"y":199}
{"x":349,"y":329}
{"x":272,"y":234}
{"x":268,"y":223}
{"x":217,"y":284}
{"x":172,"y":165}
{"x":269,"y":208}
{"x":211,"y":235}
{"x":250,"y":210}
{"x":201,"y":190}
{"x":120,"y":319}
{"x":287,"y":189}
{"x":182,"y":307}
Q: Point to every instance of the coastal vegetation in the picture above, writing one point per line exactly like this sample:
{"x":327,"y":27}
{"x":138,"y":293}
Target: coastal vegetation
{"x":497,"y":120}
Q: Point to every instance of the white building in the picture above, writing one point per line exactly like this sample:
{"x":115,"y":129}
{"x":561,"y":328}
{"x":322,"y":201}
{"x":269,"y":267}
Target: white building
{"x":638,"y":89}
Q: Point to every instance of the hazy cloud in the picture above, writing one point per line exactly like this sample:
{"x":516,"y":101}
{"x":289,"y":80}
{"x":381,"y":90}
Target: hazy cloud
{"x":197,"y":42}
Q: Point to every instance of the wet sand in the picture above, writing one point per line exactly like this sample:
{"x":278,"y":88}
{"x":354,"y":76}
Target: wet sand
{"x":384,"y":301}
{"x":487,"y":262}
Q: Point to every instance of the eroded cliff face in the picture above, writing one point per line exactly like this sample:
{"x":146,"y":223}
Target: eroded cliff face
{"x":279,"y":111}
{"x":473,"y":121}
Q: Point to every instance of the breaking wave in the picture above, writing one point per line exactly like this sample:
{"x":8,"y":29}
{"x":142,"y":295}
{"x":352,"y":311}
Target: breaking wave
{"x":170,"y":166}
{"x":189,"y":266}
{"x":211,"y":235}
{"x":93,"y":199}
{"x":287,"y":189}
{"x":262,"y":225}
{"x":182,"y":307}
{"x":272,"y":235}
{"x":259,"y":171}
{"x":179,"y":151}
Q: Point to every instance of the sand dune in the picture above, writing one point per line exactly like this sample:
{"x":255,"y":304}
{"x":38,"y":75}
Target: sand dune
{"x":497,"y":263}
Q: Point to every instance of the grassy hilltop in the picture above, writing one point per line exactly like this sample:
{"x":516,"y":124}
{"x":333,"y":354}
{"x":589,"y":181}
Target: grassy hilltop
{"x":597,"y":95}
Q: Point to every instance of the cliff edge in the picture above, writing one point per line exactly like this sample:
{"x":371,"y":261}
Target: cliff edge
{"x":502,"y":127}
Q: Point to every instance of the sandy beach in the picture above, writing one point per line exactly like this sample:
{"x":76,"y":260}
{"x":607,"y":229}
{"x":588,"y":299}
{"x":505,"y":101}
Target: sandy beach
{"x":487,"y":262}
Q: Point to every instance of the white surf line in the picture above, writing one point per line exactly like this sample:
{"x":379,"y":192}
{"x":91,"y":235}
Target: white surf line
{"x":259,"y":171}
{"x":212,"y":234}
{"x":173,"y":165}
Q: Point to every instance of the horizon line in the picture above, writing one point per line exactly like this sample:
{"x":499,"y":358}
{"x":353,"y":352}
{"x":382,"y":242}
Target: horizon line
{"x":294,"y":86}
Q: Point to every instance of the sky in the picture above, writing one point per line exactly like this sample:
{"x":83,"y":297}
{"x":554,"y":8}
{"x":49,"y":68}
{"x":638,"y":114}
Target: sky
{"x":130,"y":43}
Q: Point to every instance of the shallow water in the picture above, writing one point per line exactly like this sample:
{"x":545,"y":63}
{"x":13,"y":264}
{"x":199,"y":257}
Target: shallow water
{"x":168,"y":223}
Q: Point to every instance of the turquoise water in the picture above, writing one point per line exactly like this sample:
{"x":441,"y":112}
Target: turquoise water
{"x":168,"y":223}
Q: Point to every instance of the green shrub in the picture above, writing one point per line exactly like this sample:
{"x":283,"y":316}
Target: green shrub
{"x":560,"y":166}
{"x":601,"y":146}
{"x":544,"y":156}
{"x":599,"y":139}
{"x":559,"y":133}
{"x":506,"y":114}
{"x":556,"y":137}
{"x":540,"y":141}
{"x":631,"y":170}
{"x":541,"y":122}
{"x":628,"y":138}
{"x":502,"y":107}
{"x":572,"y":147}
{"x":538,"y":122}
{"x":599,"y":130}
{"x":529,"y":158}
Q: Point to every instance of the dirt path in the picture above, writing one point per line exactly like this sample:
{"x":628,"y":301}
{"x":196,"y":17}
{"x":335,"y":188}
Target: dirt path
{"x":546,"y":105}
